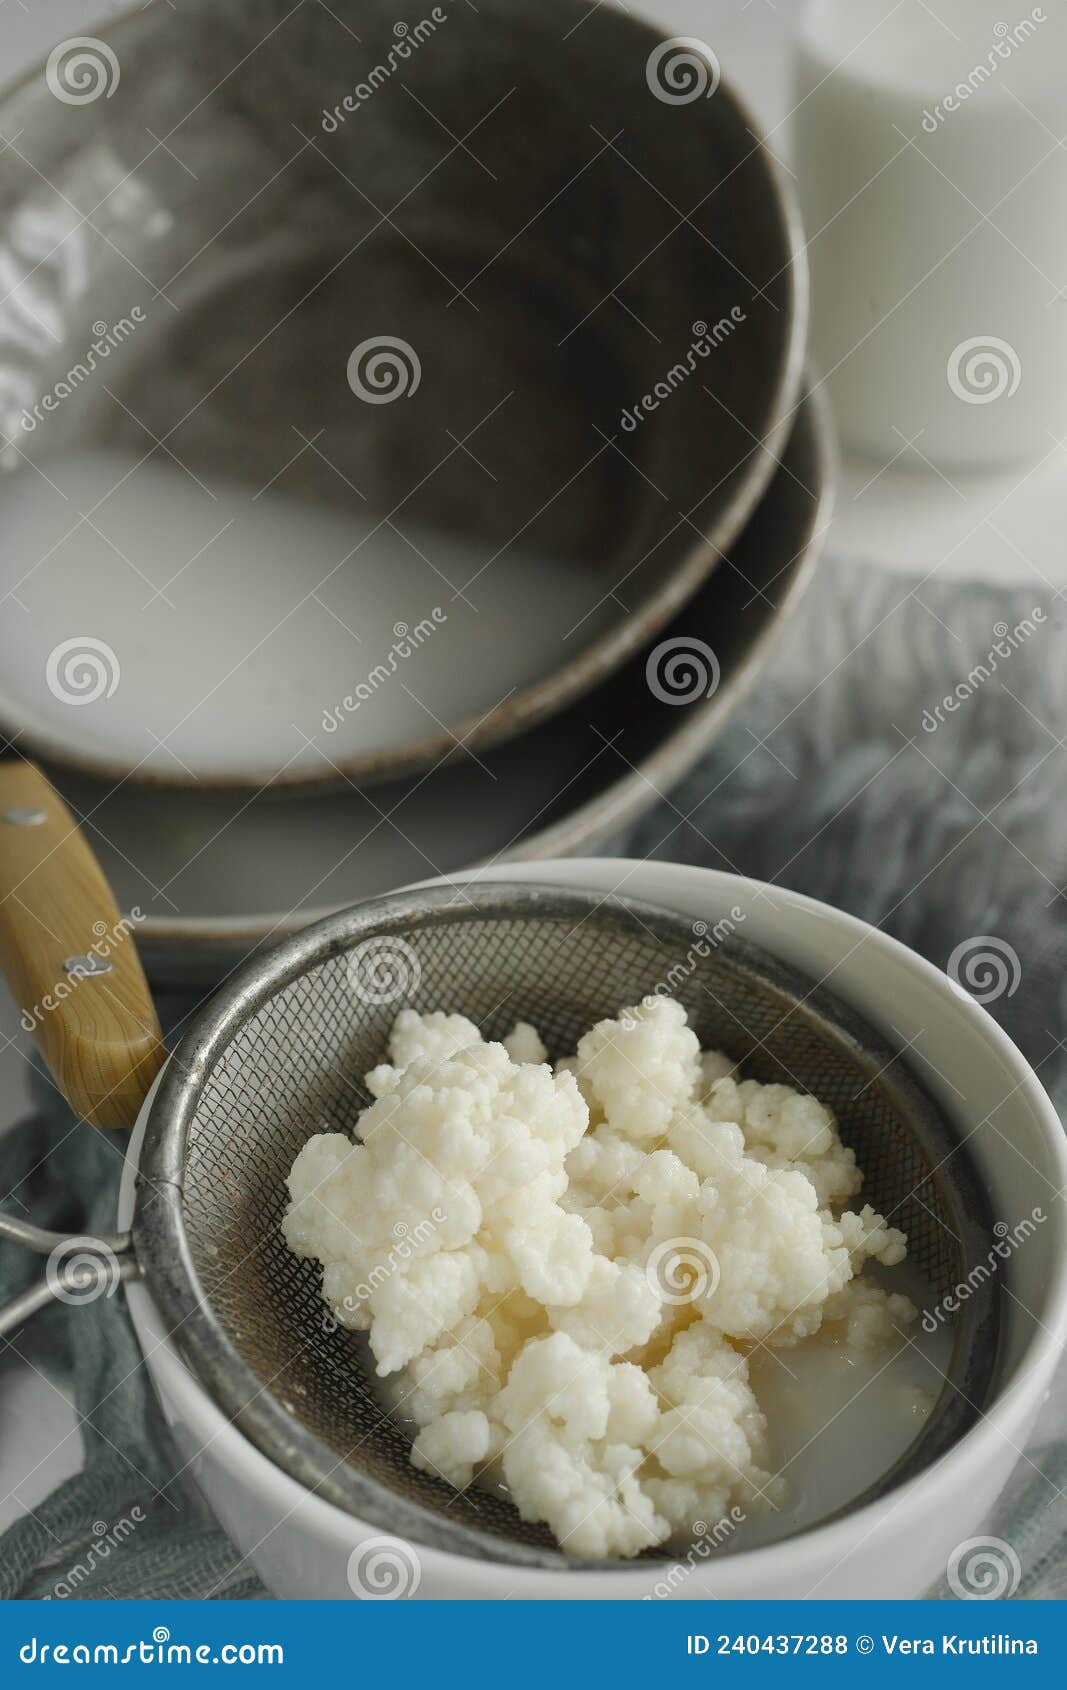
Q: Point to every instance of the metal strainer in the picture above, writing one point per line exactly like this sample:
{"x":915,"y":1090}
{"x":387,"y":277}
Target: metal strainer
{"x":279,"y":1054}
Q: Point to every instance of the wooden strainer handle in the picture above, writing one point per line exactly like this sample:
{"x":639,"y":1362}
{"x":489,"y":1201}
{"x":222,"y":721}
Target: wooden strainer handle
{"x":69,"y":955}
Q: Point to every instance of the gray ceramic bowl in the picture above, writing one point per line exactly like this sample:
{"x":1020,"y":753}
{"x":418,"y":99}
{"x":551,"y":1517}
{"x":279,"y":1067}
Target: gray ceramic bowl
{"x":546,"y":201}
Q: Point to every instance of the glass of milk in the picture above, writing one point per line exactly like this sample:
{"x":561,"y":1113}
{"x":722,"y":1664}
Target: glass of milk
{"x":934,"y":183}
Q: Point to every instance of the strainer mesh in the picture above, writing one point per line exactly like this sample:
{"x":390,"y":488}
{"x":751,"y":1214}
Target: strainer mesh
{"x":295,"y":1068}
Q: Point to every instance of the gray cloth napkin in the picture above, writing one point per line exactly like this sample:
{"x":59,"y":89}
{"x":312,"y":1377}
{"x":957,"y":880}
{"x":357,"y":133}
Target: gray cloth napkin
{"x":845,"y":776}
{"x":125,"y":1526}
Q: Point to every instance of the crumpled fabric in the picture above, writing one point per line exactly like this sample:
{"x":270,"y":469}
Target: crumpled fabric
{"x":131,"y":1524}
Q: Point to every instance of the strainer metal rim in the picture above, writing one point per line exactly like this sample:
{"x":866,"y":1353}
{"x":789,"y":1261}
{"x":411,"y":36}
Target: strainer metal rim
{"x":165,"y":1258}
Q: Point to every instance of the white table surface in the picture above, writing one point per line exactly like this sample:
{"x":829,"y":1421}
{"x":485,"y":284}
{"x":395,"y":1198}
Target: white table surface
{"x":916,"y":522}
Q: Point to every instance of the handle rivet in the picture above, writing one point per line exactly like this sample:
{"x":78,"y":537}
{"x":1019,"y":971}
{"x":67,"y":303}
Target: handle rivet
{"x":76,"y":966}
{"x":25,"y":818}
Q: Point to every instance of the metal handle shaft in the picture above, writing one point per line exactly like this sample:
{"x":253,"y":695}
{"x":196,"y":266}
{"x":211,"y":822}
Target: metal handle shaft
{"x":81,"y":1267}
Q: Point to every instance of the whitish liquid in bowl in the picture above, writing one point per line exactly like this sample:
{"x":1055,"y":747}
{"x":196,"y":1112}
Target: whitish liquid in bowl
{"x":244,"y":633}
{"x":841,"y":1417}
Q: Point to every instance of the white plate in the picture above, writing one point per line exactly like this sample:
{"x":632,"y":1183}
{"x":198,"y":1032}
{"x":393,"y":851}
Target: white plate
{"x":214,"y":876}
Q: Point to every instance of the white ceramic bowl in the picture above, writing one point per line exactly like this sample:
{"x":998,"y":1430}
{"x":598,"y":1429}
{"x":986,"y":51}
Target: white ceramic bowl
{"x":897,"y":1547}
